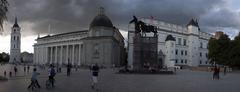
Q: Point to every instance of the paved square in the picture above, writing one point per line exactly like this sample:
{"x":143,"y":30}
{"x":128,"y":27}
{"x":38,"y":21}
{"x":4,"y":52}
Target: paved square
{"x":79,"y":81}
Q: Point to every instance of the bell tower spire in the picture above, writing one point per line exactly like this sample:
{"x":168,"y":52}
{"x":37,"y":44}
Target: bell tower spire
{"x":15,"y":20}
{"x":16,"y":23}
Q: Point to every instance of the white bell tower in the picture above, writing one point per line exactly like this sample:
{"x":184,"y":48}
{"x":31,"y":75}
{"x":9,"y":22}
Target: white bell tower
{"x":15,"y":49}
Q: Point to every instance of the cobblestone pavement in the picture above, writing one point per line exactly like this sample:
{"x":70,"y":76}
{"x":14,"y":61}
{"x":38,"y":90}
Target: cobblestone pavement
{"x":80,"y":81}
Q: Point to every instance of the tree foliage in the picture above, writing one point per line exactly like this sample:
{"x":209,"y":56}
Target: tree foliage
{"x":3,"y":12}
{"x":4,"y":57}
{"x":224,"y":51}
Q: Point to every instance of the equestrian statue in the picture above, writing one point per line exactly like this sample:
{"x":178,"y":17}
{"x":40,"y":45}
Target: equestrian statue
{"x":142,"y":27}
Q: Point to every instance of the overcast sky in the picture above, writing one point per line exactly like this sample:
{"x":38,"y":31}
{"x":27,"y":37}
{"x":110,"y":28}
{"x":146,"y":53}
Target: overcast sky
{"x":34,"y":16}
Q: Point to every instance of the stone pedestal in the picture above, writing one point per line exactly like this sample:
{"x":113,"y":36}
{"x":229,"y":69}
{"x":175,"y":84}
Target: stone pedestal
{"x":145,"y":51}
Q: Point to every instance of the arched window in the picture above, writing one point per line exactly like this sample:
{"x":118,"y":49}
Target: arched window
{"x":13,"y":37}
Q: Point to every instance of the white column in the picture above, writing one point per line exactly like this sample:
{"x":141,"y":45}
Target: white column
{"x":51,"y":55}
{"x":42,"y":55}
{"x":79,"y":55}
{"x":39,"y":55}
{"x":55,"y":55}
{"x":46,"y":55}
{"x":61,"y":56}
{"x":73,"y":48}
{"x":67,"y":55}
{"x":36,"y":54}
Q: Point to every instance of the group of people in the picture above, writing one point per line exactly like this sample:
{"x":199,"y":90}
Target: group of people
{"x":34,"y":80}
{"x":15,"y":69}
{"x":216,"y":72}
{"x":51,"y":74}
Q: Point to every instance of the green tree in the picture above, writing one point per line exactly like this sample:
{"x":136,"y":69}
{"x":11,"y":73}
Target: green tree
{"x":224,"y":42}
{"x":3,"y":12}
{"x":219,"y":50}
{"x":234,"y":52}
{"x":1,"y":60}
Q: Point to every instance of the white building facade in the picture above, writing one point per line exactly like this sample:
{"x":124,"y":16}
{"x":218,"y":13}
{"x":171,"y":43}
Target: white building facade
{"x":15,"y":45}
{"x":102,"y":44}
{"x":178,"y":45}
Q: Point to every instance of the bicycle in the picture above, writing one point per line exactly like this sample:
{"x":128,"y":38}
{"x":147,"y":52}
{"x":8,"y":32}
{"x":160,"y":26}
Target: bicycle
{"x":49,"y":83}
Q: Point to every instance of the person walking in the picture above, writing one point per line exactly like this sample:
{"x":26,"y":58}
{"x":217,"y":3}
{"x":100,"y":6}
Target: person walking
{"x":34,"y":81}
{"x":95,"y":71}
{"x":51,"y":75}
{"x":5,"y":73}
{"x":24,"y":68}
{"x":69,"y":66}
{"x":218,"y":72}
{"x":10,"y":73}
{"x":15,"y":70}
{"x":214,"y":73}
{"x":28,"y":67}
{"x":224,"y":70}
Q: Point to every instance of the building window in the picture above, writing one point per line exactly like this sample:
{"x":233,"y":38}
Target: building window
{"x":96,"y":52}
{"x":201,"y":45}
{"x":181,"y":52}
{"x":184,"y":42}
{"x":181,"y":61}
{"x":176,"y":61}
{"x":14,"y":46}
{"x":14,"y":30}
{"x":179,"y":41}
{"x":13,"y":37}
{"x":200,"y":54}
{"x":18,"y":38}
{"x":97,"y":33}
{"x":176,"y":51}
{"x":185,"y":52}
{"x":200,"y":62}
{"x":206,"y":54}
{"x":206,"y":62}
{"x":186,"y":61}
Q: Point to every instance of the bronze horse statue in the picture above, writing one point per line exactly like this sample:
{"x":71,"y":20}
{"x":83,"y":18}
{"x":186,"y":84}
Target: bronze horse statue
{"x":142,"y":27}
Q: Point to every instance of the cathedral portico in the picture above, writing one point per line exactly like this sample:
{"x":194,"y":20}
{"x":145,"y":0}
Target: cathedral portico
{"x":58,"y":54}
{"x":102,"y":44}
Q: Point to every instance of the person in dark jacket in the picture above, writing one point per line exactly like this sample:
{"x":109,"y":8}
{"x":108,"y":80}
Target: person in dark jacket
{"x":95,"y":71}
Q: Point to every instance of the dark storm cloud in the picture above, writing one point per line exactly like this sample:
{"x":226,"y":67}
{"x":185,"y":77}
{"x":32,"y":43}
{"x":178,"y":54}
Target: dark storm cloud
{"x":72,"y":15}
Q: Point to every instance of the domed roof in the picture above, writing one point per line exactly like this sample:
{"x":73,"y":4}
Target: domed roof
{"x":101,"y":20}
{"x":170,"y":38}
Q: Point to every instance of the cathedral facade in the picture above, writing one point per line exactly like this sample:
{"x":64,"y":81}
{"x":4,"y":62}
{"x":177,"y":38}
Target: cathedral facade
{"x":177,"y":45}
{"x":102,"y":44}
